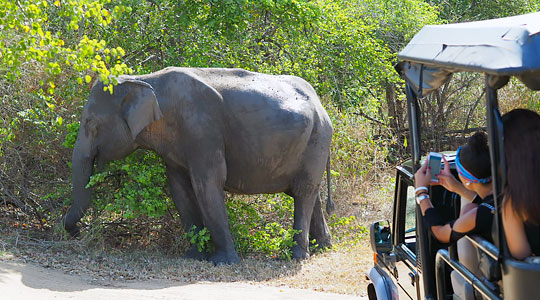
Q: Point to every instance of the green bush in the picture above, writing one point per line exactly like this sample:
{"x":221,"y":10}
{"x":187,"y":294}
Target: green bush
{"x":254,"y":228}
{"x":133,"y":187}
{"x":201,"y":238}
{"x":48,"y":51}
{"x":346,"y":229}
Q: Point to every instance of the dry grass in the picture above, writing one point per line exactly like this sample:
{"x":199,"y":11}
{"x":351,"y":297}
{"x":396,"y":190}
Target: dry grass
{"x":341,"y":270}
{"x":368,"y":199}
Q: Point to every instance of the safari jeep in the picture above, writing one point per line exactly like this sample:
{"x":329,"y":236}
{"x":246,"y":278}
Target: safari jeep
{"x":409,"y":263}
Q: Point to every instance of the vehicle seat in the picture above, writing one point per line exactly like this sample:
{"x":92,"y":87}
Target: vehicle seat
{"x":520,"y":279}
{"x":462,"y":289}
{"x":468,"y":257}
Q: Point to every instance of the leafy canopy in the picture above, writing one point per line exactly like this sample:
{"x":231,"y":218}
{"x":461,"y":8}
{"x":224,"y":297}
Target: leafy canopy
{"x":59,"y":36}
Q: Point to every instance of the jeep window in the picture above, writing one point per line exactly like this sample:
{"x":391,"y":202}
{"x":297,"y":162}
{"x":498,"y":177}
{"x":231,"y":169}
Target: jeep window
{"x":410,"y":220}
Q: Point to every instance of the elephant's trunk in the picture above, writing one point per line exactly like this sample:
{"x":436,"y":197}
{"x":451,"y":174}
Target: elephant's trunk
{"x":82,"y":167}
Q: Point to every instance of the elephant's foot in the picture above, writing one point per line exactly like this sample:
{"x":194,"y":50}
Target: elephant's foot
{"x":224,"y":258}
{"x":73,"y":230}
{"x":322,"y":244}
{"x":193,"y":253}
{"x":299,"y":253}
{"x":320,"y":232}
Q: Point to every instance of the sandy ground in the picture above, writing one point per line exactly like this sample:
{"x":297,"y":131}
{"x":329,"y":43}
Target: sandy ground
{"x":28,"y":281}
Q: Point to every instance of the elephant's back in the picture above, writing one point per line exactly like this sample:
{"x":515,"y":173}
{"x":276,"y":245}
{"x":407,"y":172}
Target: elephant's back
{"x":268,"y":123}
{"x":271,"y":122}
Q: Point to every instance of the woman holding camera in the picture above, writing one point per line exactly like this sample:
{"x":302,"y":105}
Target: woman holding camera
{"x":474,"y":168}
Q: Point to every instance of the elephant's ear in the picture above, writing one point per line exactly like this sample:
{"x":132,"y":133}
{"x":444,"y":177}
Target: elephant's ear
{"x":140,"y":106}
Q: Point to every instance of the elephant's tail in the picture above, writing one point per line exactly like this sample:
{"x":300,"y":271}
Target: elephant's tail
{"x":330,"y":205}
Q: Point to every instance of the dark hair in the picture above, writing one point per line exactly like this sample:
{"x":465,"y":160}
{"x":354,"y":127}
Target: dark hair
{"x":475,"y":156}
{"x":522,"y":152}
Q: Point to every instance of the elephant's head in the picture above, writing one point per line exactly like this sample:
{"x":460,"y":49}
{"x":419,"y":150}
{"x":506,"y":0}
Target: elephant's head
{"x":110,"y":124}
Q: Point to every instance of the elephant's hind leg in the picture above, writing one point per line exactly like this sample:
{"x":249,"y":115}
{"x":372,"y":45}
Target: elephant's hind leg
{"x":304,"y":202}
{"x":319,"y":229}
{"x":308,"y":215}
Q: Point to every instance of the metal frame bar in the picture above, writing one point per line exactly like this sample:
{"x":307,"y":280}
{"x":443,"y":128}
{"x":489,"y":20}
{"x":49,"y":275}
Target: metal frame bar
{"x":421,"y":232}
{"x":441,"y":260}
{"x":414,"y":127}
{"x":484,"y":245}
{"x":498,"y":161}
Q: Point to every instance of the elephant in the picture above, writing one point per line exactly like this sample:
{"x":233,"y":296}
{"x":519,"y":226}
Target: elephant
{"x":217,"y":130}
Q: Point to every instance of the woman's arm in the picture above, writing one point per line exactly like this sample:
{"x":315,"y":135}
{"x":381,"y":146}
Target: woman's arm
{"x":466,"y":208}
{"x":514,"y":231}
{"x":463,"y":224}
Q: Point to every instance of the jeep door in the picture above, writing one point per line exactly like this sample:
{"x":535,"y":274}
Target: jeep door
{"x":404,"y":222}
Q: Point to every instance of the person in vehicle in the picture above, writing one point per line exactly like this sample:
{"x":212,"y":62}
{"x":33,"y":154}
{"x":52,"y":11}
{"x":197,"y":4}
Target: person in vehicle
{"x":521,"y":205}
{"x":474,"y":168}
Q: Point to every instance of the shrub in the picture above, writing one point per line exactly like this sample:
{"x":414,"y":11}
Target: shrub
{"x":253,"y":226}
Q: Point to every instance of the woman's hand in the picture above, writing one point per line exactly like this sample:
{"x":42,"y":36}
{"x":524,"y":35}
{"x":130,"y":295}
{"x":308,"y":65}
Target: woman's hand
{"x":447,"y":180}
{"x":422,"y":177}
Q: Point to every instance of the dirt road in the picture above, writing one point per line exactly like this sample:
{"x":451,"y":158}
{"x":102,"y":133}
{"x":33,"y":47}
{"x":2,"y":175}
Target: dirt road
{"x":26,"y":281}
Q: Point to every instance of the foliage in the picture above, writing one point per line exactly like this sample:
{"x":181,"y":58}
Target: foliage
{"x":396,"y":21}
{"x":71,"y":135}
{"x":49,"y":34}
{"x":254,"y":229}
{"x":51,"y":51}
{"x":140,"y":187}
{"x":201,"y":238}
{"x":346,"y":229}
{"x":358,"y":147}
{"x":138,"y":184}
{"x":462,"y":11}
{"x":48,"y":49}
{"x":332,"y":44}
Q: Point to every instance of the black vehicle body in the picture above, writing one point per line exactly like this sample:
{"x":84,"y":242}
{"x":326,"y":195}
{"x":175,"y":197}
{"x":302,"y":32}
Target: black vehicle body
{"x":409,"y":262}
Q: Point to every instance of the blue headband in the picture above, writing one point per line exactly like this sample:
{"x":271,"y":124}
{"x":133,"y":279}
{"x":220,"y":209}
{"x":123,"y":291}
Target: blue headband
{"x":466,"y":174}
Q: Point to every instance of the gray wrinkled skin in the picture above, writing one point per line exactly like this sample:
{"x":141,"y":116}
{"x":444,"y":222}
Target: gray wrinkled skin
{"x":217,"y":130}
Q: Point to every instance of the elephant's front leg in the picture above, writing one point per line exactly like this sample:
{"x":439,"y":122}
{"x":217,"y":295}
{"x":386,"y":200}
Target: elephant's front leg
{"x":207,"y":180}
{"x":186,"y":203}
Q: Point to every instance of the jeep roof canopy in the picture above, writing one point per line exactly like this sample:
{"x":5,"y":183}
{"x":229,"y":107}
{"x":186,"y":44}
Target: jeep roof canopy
{"x":500,"y":48}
